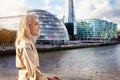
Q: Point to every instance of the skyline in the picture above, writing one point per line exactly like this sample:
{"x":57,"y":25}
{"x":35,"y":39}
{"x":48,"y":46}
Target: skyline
{"x":84,"y":9}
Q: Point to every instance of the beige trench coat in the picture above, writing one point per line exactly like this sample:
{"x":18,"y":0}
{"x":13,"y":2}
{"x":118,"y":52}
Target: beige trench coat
{"x":27,"y":62}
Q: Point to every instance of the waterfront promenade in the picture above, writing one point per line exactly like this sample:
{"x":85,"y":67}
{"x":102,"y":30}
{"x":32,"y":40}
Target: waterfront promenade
{"x":10,"y":49}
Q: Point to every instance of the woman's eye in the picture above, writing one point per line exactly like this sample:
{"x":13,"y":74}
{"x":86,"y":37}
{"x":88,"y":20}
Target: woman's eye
{"x":36,"y":24}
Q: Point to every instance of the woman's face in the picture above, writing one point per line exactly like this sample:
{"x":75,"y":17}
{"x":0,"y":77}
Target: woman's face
{"x":34,"y":27}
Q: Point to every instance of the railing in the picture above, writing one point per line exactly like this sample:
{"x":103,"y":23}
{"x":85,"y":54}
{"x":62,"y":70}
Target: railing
{"x":4,"y":47}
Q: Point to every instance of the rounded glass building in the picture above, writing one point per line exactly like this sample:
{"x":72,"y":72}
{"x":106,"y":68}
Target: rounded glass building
{"x":52,"y":30}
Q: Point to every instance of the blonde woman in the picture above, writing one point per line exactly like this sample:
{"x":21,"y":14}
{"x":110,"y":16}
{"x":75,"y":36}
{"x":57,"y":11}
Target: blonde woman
{"x":27,"y":60}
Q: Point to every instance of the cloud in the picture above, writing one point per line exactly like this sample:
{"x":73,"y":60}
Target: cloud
{"x":54,"y":7}
{"x":58,"y":7}
{"x":47,"y":5}
{"x":12,"y":7}
{"x":99,"y":9}
{"x":84,"y":9}
{"x":47,"y":1}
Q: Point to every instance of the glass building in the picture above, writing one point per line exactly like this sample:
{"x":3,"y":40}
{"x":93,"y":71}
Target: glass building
{"x":52,"y":30}
{"x":96,"y":29}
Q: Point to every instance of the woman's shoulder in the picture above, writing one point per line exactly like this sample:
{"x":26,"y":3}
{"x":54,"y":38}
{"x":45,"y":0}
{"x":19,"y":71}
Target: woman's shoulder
{"x":24,"y":44}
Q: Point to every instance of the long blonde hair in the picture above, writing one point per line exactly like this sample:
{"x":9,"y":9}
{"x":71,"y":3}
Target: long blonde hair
{"x":24,"y":30}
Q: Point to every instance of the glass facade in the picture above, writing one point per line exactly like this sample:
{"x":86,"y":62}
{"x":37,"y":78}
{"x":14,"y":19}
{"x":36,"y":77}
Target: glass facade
{"x":96,"y":29}
{"x":51,"y":28}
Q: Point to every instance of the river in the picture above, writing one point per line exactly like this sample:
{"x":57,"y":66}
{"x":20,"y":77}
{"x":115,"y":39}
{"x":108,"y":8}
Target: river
{"x":98,"y":63}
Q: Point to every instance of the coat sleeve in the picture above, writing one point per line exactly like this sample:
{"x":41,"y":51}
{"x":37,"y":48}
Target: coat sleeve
{"x":30,"y":64}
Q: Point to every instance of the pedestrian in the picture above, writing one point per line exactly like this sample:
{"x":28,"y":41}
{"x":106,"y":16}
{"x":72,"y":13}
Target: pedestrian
{"x":27,"y":60}
{"x":3,"y":47}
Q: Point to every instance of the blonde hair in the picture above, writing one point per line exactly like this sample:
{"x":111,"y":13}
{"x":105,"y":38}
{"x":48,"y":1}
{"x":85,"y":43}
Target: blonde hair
{"x":24,"y":30}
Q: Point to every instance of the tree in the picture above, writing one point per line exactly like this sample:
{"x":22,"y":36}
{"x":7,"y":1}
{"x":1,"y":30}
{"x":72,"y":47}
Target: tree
{"x":7,"y":36}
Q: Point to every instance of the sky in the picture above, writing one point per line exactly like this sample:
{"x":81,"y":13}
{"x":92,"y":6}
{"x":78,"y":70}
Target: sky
{"x":84,"y":9}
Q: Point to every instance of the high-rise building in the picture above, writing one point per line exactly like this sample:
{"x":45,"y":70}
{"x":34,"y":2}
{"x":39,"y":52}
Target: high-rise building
{"x":71,"y":15}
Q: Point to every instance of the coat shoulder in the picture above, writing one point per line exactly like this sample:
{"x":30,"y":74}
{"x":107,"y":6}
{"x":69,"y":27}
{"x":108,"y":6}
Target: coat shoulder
{"x":24,"y":44}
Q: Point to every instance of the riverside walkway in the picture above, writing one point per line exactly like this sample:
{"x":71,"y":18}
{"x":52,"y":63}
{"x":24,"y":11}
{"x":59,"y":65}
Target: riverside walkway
{"x":10,"y":49}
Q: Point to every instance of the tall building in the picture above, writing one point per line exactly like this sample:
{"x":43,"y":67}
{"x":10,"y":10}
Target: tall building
{"x":96,"y":29}
{"x":71,"y":15}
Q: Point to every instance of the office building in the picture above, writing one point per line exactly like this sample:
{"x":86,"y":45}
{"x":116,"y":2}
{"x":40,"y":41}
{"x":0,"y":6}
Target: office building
{"x":96,"y":29}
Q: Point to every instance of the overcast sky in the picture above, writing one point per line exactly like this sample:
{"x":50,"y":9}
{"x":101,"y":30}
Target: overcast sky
{"x":84,"y":9}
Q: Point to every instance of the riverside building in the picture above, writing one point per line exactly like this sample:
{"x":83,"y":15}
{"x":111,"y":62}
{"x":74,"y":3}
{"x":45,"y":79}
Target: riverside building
{"x":96,"y":29}
{"x":52,"y":30}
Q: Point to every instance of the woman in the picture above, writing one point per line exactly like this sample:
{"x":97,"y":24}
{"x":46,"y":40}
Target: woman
{"x":27,"y":60}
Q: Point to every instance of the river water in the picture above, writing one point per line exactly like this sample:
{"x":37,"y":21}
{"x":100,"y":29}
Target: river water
{"x":98,"y":63}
